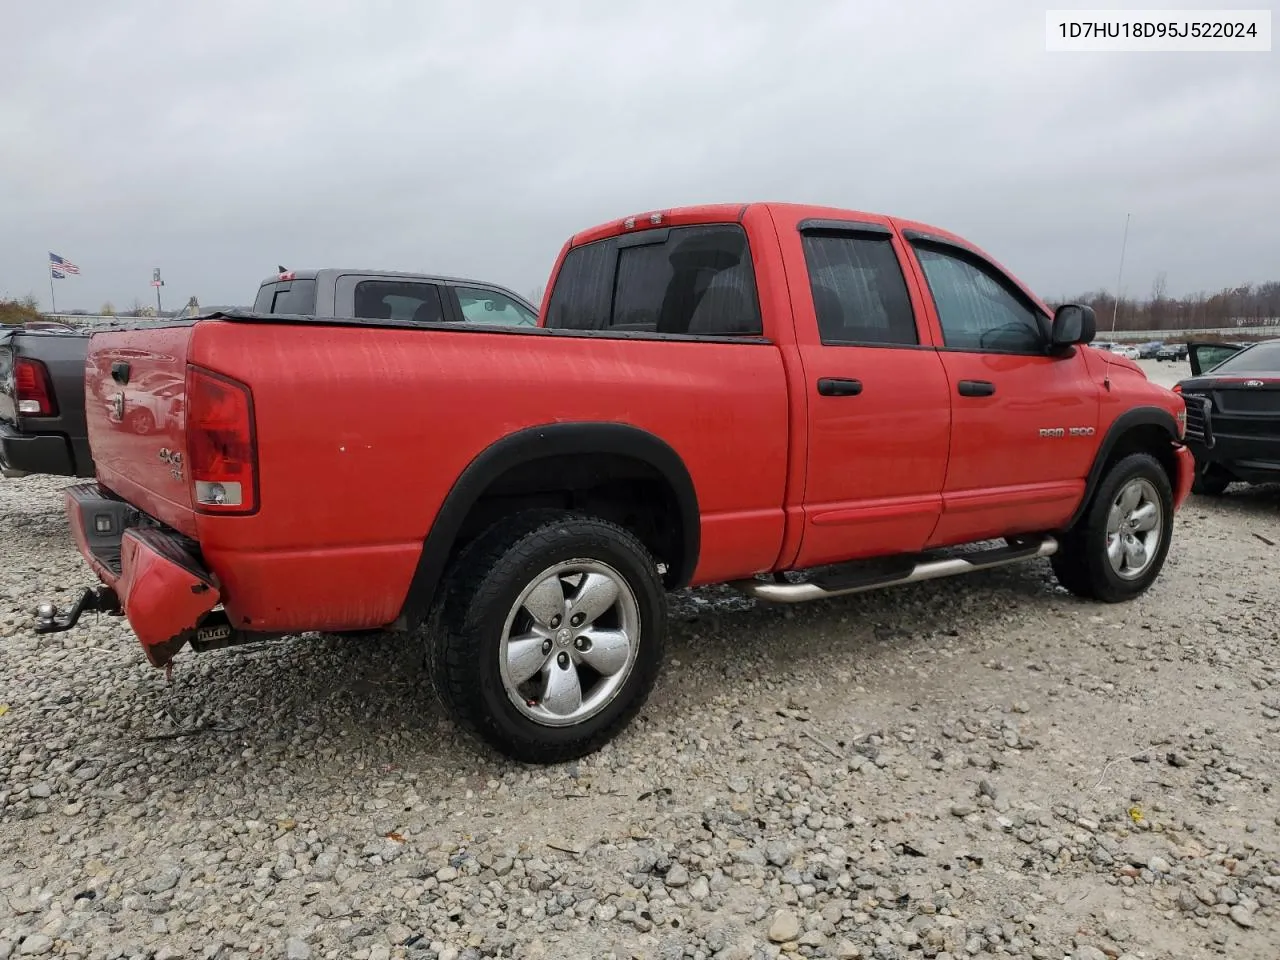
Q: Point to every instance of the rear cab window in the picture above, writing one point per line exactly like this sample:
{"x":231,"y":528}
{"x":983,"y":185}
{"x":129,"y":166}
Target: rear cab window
{"x":286,"y":296}
{"x":676,"y":281}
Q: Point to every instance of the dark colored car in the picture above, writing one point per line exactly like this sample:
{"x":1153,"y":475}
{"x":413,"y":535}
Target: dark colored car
{"x":1233,"y":413}
{"x":42,"y":426}
{"x":1149,"y":349}
{"x":1172,"y":351}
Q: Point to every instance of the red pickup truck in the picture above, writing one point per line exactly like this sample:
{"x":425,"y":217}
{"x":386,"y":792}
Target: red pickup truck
{"x":729,"y":393}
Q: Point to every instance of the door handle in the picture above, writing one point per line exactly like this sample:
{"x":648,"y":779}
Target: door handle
{"x":839,"y":387}
{"x":976,"y":388}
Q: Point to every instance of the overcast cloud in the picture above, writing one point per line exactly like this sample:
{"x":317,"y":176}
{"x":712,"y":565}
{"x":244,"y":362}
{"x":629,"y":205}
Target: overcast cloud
{"x":219,"y":139}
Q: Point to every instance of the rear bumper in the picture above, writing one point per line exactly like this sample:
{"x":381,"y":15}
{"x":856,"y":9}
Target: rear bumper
{"x":163,"y":589}
{"x":35,"y":453}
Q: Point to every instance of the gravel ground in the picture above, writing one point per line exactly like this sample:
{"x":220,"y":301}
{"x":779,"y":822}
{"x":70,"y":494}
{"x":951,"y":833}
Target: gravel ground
{"x":957,"y":768}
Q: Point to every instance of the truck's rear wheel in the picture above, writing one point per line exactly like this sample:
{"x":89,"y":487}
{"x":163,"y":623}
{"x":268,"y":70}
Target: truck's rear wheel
{"x":1119,"y":546}
{"x":551,"y":635}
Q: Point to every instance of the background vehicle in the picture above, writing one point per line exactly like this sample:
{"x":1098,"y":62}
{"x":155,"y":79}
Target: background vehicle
{"x":1172,"y":351}
{"x":1233,"y":413}
{"x":730,"y":393}
{"x":374,"y":295}
{"x":42,"y":428}
{"x":1148,"y":350}
{"x":1127,"y":351}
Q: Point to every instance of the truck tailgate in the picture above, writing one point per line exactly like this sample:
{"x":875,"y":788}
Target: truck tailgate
{"x":135,"y":397}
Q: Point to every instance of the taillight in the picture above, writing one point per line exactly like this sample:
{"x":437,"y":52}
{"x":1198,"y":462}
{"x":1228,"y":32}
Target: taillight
{"x":34,"y":388}
{"x":222,"y":454}
{"x":1177,"y":388}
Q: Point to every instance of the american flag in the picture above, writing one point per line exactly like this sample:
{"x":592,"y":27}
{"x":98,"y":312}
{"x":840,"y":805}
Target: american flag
{"x":61,"y":265}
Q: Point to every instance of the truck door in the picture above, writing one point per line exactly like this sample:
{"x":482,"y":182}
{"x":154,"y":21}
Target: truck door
{"x":1023,"y":422}
{"x":876,"y":392}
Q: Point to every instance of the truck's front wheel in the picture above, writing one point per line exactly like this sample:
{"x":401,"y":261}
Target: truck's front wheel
{"x":1118,"y":548}
{"x":551,"y":635}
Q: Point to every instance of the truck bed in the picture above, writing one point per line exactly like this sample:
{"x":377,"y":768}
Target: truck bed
{"x":363,"y":427}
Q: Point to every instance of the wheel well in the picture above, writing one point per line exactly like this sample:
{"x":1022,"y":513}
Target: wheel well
{"x":622,"y":489}
{"x":1146,"y":438}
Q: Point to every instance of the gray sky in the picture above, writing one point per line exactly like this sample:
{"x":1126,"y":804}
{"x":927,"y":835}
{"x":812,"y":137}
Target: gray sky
{"x":218,"y":139}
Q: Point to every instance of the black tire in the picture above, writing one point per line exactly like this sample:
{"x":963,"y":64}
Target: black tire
{"x":1210,"y":481}
{"x":1081,"y":563}
{"x":482,"y":589}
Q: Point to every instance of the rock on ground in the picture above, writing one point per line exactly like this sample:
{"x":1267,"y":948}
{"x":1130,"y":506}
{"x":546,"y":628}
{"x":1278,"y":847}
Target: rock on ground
{"x":955,"y":768}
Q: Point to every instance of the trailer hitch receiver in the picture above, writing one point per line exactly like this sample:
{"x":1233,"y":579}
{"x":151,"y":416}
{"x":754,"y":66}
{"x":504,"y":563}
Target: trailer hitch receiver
{"x":94,"y":599}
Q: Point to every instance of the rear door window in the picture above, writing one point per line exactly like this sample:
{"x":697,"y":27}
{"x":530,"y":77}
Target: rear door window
{"x":859,"y":293}
{"x":694,"y":280}
{"x":398,"y":300}
{"x":286,"y":296}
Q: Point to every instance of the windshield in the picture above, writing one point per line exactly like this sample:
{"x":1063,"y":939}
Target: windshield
{"x":1262,"y":358}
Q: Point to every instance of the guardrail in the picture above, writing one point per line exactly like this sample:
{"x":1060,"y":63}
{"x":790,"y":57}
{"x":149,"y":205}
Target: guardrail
{"x":1140,"y":336}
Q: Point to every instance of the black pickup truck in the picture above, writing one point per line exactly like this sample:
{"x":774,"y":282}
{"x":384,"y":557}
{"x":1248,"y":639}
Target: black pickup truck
{"x":42,"y":426}
{"x":42,"y":419}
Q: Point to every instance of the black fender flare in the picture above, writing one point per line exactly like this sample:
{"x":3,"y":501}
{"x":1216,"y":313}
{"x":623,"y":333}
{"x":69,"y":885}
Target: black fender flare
{"x":1137,"y":417}
{"x":535,"y":443}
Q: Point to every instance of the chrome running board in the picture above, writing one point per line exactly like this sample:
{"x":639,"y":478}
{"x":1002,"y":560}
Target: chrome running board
{"x":859,"y":577}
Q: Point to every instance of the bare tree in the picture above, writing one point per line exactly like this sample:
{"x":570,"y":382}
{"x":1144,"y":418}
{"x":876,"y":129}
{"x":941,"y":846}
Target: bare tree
{"x":1250,"y":304}
{"x":107,"y":310}
{"x":1157,"y":306}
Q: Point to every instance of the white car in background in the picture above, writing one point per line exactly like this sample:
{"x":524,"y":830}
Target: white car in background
{"x":1121,"y":349}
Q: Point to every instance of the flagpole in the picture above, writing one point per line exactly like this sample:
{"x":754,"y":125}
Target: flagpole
{"x":1115,"y":310}
{"x":53,"y":298}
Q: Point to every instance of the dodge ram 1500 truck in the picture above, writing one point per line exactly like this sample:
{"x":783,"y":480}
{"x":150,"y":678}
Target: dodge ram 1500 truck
{"x":804,"y":402}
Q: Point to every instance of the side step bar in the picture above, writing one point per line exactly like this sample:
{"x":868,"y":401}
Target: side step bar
{"x":923,"y":568}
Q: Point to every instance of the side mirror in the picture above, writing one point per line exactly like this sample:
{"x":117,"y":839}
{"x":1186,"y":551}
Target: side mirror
{"x":1072,"y":323}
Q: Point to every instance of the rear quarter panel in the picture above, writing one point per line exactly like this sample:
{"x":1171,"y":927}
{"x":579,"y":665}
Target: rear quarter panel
{"x":362,"y":432}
